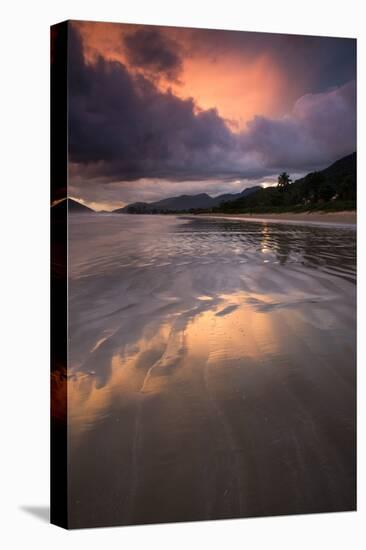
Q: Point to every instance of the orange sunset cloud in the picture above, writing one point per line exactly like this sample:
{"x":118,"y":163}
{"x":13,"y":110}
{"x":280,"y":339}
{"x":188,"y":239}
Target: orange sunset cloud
{"x":238,"y":86}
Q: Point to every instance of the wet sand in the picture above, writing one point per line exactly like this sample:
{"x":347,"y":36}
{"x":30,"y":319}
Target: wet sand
{"x":346,"y":217}
{"x":212,"y":369}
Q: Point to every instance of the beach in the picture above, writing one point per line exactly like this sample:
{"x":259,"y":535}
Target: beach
{"x":345,"y":217}
{"x":212,"y":369}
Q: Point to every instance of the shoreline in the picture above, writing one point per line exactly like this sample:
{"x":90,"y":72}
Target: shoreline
{"x":343,"y":218}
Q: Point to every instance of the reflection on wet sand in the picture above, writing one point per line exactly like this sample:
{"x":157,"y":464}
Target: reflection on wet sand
{"x":212,"y":370}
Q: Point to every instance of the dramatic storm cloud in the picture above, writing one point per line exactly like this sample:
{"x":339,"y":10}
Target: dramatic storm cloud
{"x":130,"y":129}
{"x":150,"y":50}
{"x":123,"y":126}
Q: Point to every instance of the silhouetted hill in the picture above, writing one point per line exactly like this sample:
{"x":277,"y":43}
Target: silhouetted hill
{"x":73,"y":207}
{"x":333,"y":188}
{"x":183,"y":203}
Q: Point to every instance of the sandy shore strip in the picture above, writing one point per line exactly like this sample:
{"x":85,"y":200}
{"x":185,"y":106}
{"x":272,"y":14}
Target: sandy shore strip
{"x":348,"y":218}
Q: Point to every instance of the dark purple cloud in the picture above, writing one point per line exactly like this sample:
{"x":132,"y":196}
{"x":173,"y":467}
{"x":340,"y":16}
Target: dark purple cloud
{"x":123,"y":128}
{"x":154,"y":52}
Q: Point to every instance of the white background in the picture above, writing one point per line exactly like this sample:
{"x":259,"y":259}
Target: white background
{"x":24,"y":215}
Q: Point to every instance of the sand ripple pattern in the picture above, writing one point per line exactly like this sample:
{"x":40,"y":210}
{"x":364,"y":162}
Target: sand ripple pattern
{"x":212,"y":369}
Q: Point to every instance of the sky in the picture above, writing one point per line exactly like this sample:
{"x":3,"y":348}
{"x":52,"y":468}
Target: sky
{"x":163,"y":111}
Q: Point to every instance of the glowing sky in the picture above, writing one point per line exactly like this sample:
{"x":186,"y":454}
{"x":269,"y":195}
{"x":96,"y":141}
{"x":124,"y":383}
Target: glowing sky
{"x":160,"y":111}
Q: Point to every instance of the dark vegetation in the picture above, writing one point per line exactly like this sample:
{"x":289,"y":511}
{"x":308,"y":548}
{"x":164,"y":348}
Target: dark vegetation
{"x":332,"y":189}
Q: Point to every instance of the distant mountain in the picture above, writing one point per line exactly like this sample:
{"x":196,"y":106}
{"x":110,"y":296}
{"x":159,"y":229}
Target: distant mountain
{"x":183,"y":203}
{"x":333,"y":188}
{"x":74,"y":207}
{"x":77,"y":207}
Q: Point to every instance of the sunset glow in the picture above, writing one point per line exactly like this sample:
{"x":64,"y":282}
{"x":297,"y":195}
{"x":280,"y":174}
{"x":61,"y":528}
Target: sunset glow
{"x":155,"y":105}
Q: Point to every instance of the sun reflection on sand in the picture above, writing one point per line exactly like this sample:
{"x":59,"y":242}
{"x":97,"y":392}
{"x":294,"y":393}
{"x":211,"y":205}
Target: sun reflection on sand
{"x":229,"y":330}
{"x":88,"y":401}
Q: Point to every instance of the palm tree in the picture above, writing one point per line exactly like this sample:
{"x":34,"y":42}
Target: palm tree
{"x":284,"y":180}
